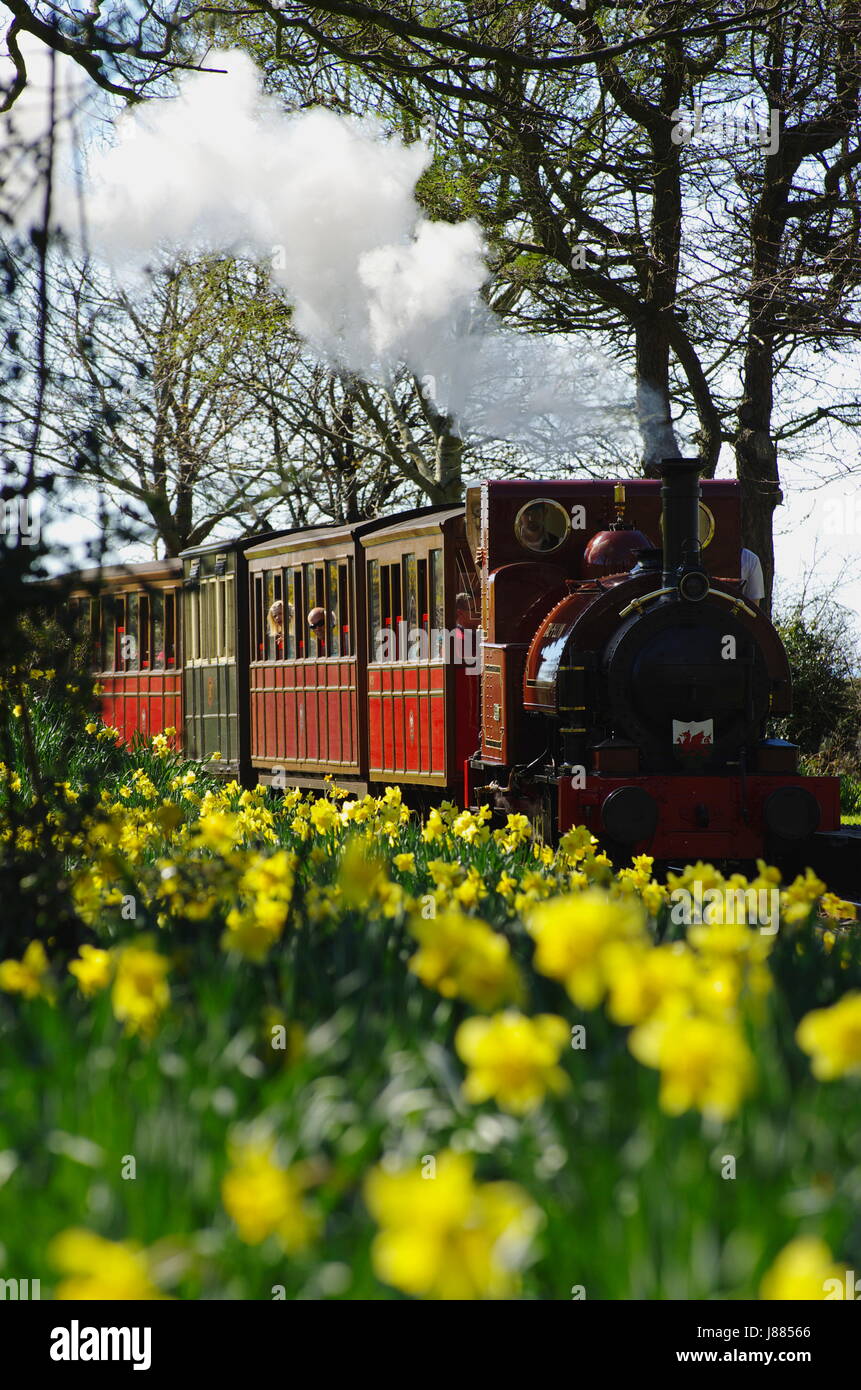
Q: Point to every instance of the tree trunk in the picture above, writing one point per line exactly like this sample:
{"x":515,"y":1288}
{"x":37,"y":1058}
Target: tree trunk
{"x":653,"y":396}
{"x":756,"y":456}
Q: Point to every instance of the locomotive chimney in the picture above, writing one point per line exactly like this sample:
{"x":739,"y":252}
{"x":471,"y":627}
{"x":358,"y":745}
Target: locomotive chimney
{"x":680,"y":497}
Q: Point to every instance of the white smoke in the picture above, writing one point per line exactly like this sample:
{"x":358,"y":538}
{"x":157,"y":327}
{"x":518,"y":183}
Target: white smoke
{"x":330,"y":203}
{"x":328,"y":200}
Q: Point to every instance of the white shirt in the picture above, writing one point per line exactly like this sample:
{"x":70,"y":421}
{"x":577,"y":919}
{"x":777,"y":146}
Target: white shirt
{"x":752,"y":582}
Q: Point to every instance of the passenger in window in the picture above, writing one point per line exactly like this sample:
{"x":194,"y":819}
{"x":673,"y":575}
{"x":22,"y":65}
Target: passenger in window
{"x":275,"y":623}
{"x":317,"y":624}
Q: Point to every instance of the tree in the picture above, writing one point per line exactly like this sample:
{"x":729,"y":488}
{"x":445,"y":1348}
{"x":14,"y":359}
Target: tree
{"x":561,"y":129}
{"x":142,"y":400}
{"x":125,"y":51}
{"x":822,"y":648}
{"x":188,"y":402}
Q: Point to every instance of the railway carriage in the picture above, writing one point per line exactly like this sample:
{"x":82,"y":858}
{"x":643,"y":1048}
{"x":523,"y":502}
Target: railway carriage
{"x":305,"y":685}
{"x":423,"y":672}
{"x":215,"y":623}
{"x":131,"y":615}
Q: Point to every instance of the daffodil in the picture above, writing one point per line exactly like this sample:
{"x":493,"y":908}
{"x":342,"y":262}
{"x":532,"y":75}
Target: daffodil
{"x":92,"y":970}
{"x":645,"y":979}
{"x":798,"y":900}
{"x":141,"y":992}
{"x":324,"y":816}
{"x":705,"y":1063}
{"x":100,"y":1269}
{"x":28,"y":975}
{"x":264,"y":1198}
{"x":801,"y":1271}
{"x":832,"y":1037}
{"x":434,"y":827}
{"x":838,"y":908}
{"x":576,"y":842}
{"x":471,"y":891}
{"x":444,"y":1236}
{"x":471,"y":827}
{"x":462,"y":956}
{"x":571,"y":934}
{"x":512,"y":1059}
{"x":361,"y":871}
{"x":218,"y":831}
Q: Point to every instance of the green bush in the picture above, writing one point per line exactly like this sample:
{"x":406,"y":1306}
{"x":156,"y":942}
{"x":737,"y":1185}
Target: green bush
{"x":826,"y":716}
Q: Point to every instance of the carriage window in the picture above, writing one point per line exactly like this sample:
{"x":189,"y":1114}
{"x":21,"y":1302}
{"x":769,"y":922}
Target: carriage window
{"x":170,"y":651}
{"x":386,"y":636}
{"x":145,"y":634}
{"x":396,"y":613}
{"x":346,"y":610}
{"x":309,"y":594}
{"x":299,"y":610}
{"x":203,"y":621}
{"x":190,"y":611}
{"x":229,"y":615}
{"x":288,"y":588}
{"x":271,"y":630}
{"x":269,"y":598}
{"x":411,"y":598}
{"x":422,"y":576}
{"x":211,"y":627}
{"x":118,"y":633}
{"x":91,"y":631}
{"x":106,"y":631}
{"x":218,"y":588}
{"x":257,"y":620}
{"x":200,"y":622}
{"x":333,"y":609}
{"x":542,"y":525}
{"x":87,"y":627}
{"x":437,"y":605}
{"x":315,"y":597}
{"x":375,"y":617}
{"x":157,"y":611}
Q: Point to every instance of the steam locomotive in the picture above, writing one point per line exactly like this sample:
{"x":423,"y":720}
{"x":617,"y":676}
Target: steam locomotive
{"x":622,"y":681}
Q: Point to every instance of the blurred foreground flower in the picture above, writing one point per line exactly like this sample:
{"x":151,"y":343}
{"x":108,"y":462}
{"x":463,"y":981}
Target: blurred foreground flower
{"x":27,"y":976}
{"x":92,"y":970}
{"x":141,"y":993}
{"x":99,"y":1268}
{"x":832,"y":1037}
{"x":512,"y":1059}
{"x":705,"y":1063}
{"x":802,"y":1270}
{"x":446,"y":1236}
{"x":264,"y":1199}
{"x":463,"y":957}
{"x":571,"y":934}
